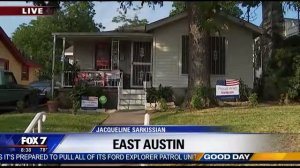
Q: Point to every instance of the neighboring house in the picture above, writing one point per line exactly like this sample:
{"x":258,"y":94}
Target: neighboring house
{"x":291,"y":27}
{"x":158,"y":53}
{"x":25,"y":71}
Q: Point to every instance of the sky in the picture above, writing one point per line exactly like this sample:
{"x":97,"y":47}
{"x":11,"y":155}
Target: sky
{"x":105,"y":11}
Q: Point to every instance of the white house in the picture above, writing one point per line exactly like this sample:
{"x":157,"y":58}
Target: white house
{"x":157,"y":53}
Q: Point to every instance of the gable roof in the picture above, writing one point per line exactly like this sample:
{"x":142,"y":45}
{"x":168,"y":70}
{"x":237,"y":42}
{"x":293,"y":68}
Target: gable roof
{"x":255,"y":29}
{"x":14,"y":51}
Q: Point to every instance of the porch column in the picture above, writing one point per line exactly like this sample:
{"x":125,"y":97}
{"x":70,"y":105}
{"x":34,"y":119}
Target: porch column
{"x":53,"y":65}
{"x":63,"y":63}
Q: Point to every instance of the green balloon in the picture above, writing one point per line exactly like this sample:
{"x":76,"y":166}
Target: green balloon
{"x":102,"y":99}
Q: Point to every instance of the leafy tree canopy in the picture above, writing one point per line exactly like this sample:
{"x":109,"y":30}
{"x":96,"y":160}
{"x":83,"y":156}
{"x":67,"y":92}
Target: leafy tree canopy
{"x":129,"y":22}
{"x":230,"y":7}
{"x":35,"y":38}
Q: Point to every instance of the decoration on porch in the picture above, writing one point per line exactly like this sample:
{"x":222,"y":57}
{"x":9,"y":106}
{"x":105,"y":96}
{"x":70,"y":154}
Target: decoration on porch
{"x":215,"y":55}
{"x":102,"y":100}
{"x":89,"y":102}
{"x":142,"y":52}
{"x":141,"y":76}
{"x":115,"y":54}
{"x":102,"y":64}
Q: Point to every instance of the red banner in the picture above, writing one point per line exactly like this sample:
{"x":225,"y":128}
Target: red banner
{"x":26,"y":10}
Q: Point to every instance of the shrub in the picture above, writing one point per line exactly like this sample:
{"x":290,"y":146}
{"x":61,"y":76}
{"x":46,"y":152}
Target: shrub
{"x":202,"y":97}
{"x":163,"y":106}
{"x":75,"y":95}
{"x":154,"y":95}
{"x":292,"y":93}
{"x":245,"y":91}
{"x":165,"y":93}
{"x":64,"y":100}
{"x":197,"y":102}
{"x":253,"y":100}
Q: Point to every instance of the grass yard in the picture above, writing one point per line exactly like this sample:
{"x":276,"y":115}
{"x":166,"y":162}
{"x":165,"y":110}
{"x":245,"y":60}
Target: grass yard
{"x":262,"y":119}
{"x":55,"y":122}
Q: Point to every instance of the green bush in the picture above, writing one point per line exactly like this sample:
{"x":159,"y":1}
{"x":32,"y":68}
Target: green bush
{"x":64,"y":100}
{"x":202,"y":97}
{"x":154,"y":95}
{"x":76,"y":94}
{"x":198,"y":102}
{"x":284,"y":71}
{"x":253,"y":100}
{"x":165,"y":93}
{"x":292,"y":93}
{"x":245,"y":91}
{"x":163,"y":106}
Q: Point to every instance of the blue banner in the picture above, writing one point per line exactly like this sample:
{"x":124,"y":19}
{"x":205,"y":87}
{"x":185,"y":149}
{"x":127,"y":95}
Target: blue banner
{"x":156,"y":129}
{"x":134,"y":144}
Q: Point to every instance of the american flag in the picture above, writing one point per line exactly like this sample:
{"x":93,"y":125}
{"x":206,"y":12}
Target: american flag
{"x":228,"y":82}
{"x":232,"y":82}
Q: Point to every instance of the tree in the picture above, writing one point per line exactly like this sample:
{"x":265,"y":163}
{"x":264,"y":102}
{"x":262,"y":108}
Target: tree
{"x":272,"y":34}
{"x":230,"y":7}
{"x":177,"y":7}
{"x":201,"y":21}
{"x":35,"y":39}
{"x":128,"y":22}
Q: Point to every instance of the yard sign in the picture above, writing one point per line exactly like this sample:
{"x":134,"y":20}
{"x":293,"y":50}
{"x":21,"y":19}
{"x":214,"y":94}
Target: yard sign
{"x":89,"y":102}
{"x":227,"y":89}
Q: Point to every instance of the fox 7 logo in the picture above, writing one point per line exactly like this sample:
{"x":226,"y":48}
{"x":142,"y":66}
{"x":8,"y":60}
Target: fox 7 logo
{"x":33,"y":140}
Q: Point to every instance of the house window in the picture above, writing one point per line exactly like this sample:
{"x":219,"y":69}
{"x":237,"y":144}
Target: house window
{"x":4,"y":64}
{"x":217,"y":55}
{"x":103,"y":61}
{"x":25,"y":73}
{"x":184,"y":54}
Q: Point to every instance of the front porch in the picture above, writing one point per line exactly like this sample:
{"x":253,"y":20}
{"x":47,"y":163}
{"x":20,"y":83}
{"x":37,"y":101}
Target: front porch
{"x":105,"y":60}
{"x":110,"y":60}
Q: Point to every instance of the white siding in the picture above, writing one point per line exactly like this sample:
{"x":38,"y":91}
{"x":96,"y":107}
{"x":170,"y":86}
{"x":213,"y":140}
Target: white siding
{"x":167,"y":55}
{"x":84,"y":52}
{"x":291,"y":27}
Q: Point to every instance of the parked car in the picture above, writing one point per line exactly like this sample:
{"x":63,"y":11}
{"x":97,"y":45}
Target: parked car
{"x":11,"y":92}
{"x":44,"y":86}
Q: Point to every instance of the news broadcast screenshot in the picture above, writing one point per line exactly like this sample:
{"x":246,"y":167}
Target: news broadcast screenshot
{"x":149,"y":83}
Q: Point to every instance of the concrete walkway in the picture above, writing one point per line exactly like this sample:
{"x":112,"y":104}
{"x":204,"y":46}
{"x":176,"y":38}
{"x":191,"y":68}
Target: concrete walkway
{"x":120,"y":118}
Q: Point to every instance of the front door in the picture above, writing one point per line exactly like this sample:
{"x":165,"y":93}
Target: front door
{"x":141,"y":64}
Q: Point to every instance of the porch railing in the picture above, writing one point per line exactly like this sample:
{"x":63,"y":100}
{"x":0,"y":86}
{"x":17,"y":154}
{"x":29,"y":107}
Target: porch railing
{"x":36,"y":123}
{"x":93,"y":78}
{"x":120,"y":87}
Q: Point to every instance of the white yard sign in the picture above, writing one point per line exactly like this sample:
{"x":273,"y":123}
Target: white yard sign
{"x":89,"y":102}
{"x":227,"y":88}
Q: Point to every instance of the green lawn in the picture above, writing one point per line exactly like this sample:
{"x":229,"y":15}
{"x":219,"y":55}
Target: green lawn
{"x":55,"y":122}
{"x":262,"y":119}
{"x":270,"y":119}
